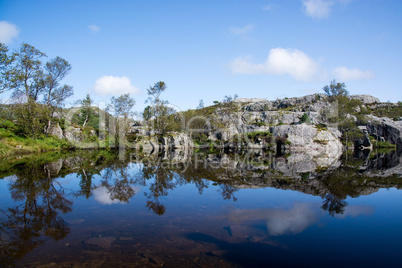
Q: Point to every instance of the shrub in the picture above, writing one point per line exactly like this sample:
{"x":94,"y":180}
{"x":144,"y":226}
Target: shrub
{"x":263,"y":135}
{"x":260,"y":124}
{"x":305,"y":119}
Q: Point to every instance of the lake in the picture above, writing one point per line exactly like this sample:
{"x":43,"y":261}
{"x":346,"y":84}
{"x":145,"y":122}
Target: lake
{"x":200,"y":209}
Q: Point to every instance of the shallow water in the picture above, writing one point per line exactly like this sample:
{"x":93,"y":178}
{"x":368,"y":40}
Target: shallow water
{"x":93,"y":210}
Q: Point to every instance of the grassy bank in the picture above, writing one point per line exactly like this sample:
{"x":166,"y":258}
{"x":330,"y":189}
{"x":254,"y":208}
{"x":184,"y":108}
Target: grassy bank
{"x":11,"y":143}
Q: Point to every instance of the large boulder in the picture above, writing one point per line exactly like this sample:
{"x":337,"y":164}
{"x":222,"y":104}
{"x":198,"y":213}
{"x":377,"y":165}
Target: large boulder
{"x":288,"y":102}
{"x":310,"y":139}
{"x":245,"y":100}
{"x":365,"y":99}
{"x":179,"y":140}
{"x":258,"y":106}
{"x":56,"y":130}
{"x":74,"y":135}
{"x":79,"y":139}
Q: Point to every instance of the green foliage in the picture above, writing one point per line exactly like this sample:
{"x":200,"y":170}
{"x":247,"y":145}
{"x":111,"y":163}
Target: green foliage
{"x":9,"y":125}
{"x":350,"y":131}
{"x":200,"y":139}
{"x":305,"y":119}
{"x":31,"y":118}
{"x":260,"y":124}
{"x":335,"y":90}
{"x":159,"y":115}
{"x":123,"y":105}
{"x":36,"y":88}
{"x":381,"y":144}
{"x":86,"y":112}
{"x":260,"y":135}
{"x":391,"y":111}
{"x":12,"y":143}
{"x":321,"y":127}
{"x":155,"y":91}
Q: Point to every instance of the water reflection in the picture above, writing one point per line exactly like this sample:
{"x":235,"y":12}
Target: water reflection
{"x":293,"y":220}
{"x":40,"y":200}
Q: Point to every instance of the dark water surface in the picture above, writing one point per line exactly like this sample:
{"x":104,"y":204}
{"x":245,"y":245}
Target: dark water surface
{"x":181,"y":209}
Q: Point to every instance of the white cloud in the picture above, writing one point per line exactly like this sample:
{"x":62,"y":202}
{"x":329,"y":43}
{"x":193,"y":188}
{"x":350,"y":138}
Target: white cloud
{"x":317,"y":9}
{"x":280,"y":61}
{"x":94,"y":28}
{"x":344,"y":74}
{"x":242,"y":30}
{"x":114,"y":85}
{"x":8,"y":32}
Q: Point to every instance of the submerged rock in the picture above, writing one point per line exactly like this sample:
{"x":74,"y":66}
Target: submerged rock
{"x":103,"y":242}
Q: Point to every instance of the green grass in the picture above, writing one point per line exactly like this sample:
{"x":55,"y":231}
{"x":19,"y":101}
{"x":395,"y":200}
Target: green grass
{"x":10,"y":143}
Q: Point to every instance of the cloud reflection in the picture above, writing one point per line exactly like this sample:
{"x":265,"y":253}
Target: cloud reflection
{"x":292,"y":220}
{"x":355,"y":211}
{"x":103,"y":196}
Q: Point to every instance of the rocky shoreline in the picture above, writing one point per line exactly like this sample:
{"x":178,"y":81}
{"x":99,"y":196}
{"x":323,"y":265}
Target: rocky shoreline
{"x":315,"y":134}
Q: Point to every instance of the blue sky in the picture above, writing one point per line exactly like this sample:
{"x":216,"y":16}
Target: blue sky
{"x":206,"y":49}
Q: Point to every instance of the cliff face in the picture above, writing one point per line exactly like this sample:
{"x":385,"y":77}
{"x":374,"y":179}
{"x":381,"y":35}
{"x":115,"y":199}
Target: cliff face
{"x":300,"y":119}
{"x":385,"y":129}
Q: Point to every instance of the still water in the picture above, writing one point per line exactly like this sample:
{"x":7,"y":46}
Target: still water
{"x":200,"y":209}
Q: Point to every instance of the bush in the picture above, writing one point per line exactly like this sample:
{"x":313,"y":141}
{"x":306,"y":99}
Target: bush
{"x":257,"y":135}
{"x":260,"y":124}
{"x":321,"y":127}
{"x":305,"y":119}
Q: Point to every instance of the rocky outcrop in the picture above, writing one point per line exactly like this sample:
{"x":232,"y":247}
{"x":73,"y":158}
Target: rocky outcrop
{"x":254,"y":105}
{"x":295,"y":101}
{"x":364,"y":143}
{"x":258,"y":106}
{"x":79,"y":139}
{"x":383,"y":128}
{"x":73,"y":135}
{"x":365,"y":99}
{"x":310,"y":139}
{"x":55,"y":130}
{"x":179,"y":140}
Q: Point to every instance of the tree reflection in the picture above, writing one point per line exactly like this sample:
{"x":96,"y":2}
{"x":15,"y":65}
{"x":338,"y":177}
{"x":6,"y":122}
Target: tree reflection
{"x":86,"y":177}
{"x":26,"y":226}
{"x":333,"y":205}
{"x":162,"y":180}
{"x":41,"y":200}
{"x":118,"y":181}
